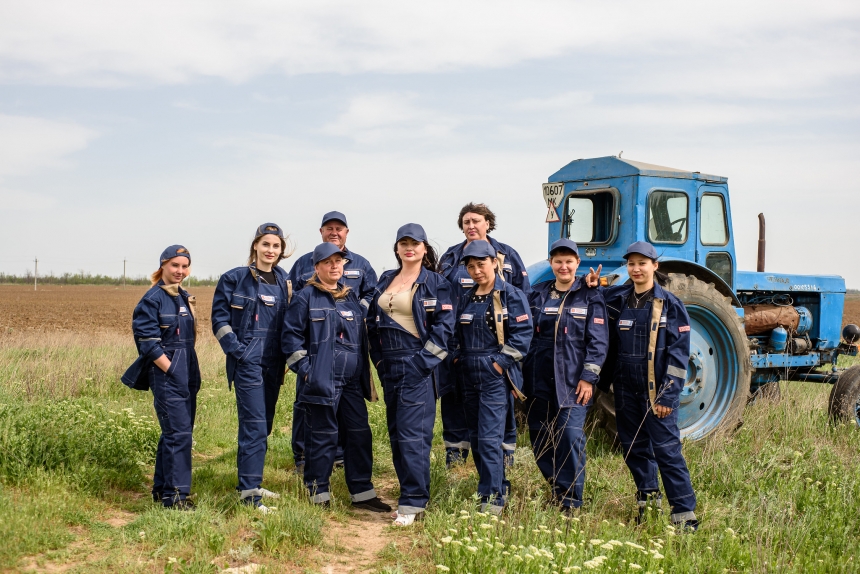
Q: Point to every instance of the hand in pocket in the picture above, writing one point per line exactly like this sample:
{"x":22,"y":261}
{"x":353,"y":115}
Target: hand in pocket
{"x":497,"y":367}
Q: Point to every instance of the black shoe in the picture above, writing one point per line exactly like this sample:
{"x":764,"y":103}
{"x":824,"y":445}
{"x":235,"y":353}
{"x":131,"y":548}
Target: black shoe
{"x":156,"y":497}
{"x":687,"y":525}
{"x":325,"y":504}
{"x":337,"y":464}
{"x":569,"y":511}
{"x":300,"y":468}
{"x":184,"y":504}
{"x":373,"y":504}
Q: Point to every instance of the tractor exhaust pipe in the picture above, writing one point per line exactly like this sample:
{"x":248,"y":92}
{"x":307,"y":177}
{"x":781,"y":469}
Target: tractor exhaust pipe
{"x":761,"y":244}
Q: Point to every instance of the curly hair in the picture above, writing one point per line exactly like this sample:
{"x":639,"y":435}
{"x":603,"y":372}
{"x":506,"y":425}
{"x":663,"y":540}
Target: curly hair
{"x":480,"y":209}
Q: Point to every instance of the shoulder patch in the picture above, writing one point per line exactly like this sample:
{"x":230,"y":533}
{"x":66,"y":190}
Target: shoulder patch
{"x":525,"y":274}
{"x":683,"y":328}
{"x":598,"y":321}
{"x":522,"y":318}
{"x":446,"y":307}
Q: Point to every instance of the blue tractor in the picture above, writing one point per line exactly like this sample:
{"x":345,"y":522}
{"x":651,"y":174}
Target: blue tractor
{"x":750,"y":330}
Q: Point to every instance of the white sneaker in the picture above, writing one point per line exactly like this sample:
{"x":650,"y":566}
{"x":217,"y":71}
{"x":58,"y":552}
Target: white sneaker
{"x":404,"y":519}
{"x":268,"y":493}
{"x":263,"y":509}
{"x":261,"y":492}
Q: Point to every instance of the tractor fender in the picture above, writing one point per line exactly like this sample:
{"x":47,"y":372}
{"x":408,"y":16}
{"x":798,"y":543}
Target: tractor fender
{"x":700,"y":272}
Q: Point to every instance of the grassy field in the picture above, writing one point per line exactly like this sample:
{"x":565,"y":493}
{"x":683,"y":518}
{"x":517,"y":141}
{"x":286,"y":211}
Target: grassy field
{"x":782,"y":494}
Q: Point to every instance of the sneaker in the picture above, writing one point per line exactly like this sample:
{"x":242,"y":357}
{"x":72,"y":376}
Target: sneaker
{"x":184,"y":505}
{"x":406,"y":519}
{"x":372,"y":504}
{"x":492,"y":508}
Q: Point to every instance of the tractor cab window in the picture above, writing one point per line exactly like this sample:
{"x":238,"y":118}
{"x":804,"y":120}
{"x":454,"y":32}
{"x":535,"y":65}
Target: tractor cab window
{"x":721,"y":264}
{"x":589,"y":218}
{"x":713,"y":230}
{"x":667,"y":217}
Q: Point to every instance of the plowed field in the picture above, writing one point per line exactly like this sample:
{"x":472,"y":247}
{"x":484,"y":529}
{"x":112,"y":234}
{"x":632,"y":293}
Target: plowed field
{"x":80,"y":308}
{"x":92,"y":308}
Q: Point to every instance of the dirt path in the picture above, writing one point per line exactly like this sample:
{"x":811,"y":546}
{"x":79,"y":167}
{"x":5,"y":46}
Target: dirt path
{"x":354,"y":546}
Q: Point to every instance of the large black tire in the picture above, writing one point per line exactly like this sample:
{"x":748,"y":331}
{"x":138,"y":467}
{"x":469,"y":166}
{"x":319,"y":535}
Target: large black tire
{"x":720,"y":369}
{"x":844,"y":404}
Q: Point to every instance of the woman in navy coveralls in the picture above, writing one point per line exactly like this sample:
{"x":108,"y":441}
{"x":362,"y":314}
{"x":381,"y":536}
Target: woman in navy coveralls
{"x":563,"y":365}
{"x":649,"y":433}
{"x":476,"y":221}
{"x":247,"y":315}
{"x":490,"y":369}
{"x":164,"y":332}
{"x":325,"y":340}
{"x":410,"y":322}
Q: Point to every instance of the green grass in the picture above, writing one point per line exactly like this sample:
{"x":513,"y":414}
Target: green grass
{"x":780,"y":494}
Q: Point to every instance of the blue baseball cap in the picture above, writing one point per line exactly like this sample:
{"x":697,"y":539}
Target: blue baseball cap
{"x":642,"y":248}
{"x":269,"y":228}
{"x":326,"y":250}
{"x":567,"y":244}
{"x":336,"y":215}
{"x":413,"y":231}
{"x":173,"y":251}
{"x":479,"y":249}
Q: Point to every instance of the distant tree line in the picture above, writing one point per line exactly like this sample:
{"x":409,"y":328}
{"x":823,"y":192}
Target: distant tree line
{"x":83,"y":278}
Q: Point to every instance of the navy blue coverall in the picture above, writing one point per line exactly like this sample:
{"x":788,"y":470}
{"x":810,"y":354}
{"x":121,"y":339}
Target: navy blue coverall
{"x":163,"y":324}
{"x":325,"y":342}
{"x":570,"y":342}
{"x":485,"y":391}
{"x":408,"y":369}
{"x":359,"y":275}
{"x":247,"y":316}
{"x":650,"y":443}
{"x":455,"y":434}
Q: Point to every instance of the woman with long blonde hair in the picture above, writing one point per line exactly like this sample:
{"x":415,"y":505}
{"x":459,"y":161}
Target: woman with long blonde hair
{"x":164,"y":332}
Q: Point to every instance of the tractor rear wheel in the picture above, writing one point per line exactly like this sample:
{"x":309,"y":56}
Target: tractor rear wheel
{"x":719,"y":369}
{"x":845,"y":396}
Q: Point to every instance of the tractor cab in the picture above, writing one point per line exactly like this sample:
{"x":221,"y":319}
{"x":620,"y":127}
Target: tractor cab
{"x":605,"y":204}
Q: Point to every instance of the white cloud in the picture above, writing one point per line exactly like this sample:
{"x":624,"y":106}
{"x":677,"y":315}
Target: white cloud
{"x":29,"y":143}
{"x":377,"y":118}
{"x":761,"y":48}
{"x":14,"y":200}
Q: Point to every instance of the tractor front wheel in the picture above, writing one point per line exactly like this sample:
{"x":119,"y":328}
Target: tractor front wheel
{"x":845,"y":396}
{"x":719,"y":369}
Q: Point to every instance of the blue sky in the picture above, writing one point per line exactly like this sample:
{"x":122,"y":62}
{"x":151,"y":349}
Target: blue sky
{"x":125,"y":127}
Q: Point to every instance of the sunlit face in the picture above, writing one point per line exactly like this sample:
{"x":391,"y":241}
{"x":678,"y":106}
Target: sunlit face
{"x":564,"y":264}
{"x":410,"y":250}
{"x":475,"y":226}
{"x":334,"y":231}
{"x":268,"y":249}
{"x":173,"y":271}
{"x":482,"y":271}
{"x":641,"y":269}
{"x":330,"y":269}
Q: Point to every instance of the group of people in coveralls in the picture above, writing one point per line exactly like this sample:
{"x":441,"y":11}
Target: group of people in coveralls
{"x":467,"y":328}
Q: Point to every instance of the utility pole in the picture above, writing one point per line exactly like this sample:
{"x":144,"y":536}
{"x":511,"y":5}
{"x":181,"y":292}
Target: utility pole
{"x":123,"y":273}
{"x":36,"y":276}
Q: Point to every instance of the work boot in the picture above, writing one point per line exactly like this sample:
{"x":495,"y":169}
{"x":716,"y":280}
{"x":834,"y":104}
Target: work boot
{"x":654,"y":500}
{"x":156,"y":496}
{"x":685,"y":521}
{"x":373,"y":504}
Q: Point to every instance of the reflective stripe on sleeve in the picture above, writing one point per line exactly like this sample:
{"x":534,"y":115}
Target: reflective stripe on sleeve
{"x":676,"y":372}
{"x":296,"y":357}
{"x":435,"y":349}
{"x":223,"y":331}
{"x":511,"y":352}
{"x":591,"y":367}
{"x":364,"y":303}
{"x":152,"y":339}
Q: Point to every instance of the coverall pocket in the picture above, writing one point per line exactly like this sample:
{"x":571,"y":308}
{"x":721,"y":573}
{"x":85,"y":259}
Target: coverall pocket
{"x":640,"y":340}
{"x":413,"y":395}
{"x":249,"y":348}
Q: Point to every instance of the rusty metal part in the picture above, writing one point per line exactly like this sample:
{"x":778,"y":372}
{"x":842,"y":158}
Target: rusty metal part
{"x":759,"y":319}
{"x":761,"y":244}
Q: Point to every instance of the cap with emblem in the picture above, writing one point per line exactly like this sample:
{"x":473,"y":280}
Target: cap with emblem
{"x":269,"y":228}
{"x":334,"y":216}
{"x":326,"y":250}
{"x":642,"y":248}
{"x":413,"y":231}
{"x":174,"y":251}
{"x":478,"y":248}
{"x":564,"y":245}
